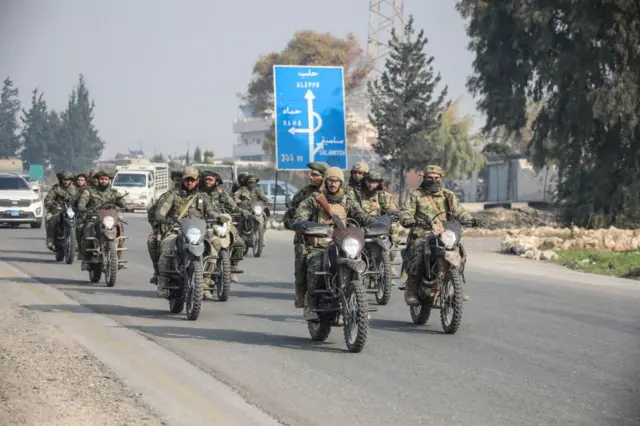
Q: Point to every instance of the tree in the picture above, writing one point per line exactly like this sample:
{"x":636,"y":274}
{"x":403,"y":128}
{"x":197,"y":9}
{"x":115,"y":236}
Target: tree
{"x":187,"y":158}
{"x":207,"y":155}
{"x":158,"y":158}
{"x":580,"y":61}
{"x":78,"y":142}
{"x":405,"y":108}
{"x":197,"y":155}
{"x":305,"y":48}
{"x":9,"y":111}
{"x":38,"y":135}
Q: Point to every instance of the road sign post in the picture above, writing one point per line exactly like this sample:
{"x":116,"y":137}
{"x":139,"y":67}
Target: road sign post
{"x":310,"y":116}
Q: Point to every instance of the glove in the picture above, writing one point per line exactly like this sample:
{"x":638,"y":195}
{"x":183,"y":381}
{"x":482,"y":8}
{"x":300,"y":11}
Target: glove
{"x":478,"y":222}
{"x":246,"y":213}
{"x":223,"y":219}
{"x":421,"y":223}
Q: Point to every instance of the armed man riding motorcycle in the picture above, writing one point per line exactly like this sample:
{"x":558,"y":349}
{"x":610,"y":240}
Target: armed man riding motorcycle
{"x":250,"y":191}
{"x":59,"y":193}
{"x":180,"y":204}
{"x":153,"y":241}
{"x":94,"y":198}
{"x":316,"y":177}
{"x":222,"y":200}
{"x":341,"y":207}
{"x":358,"y":170}
{"x":422,"y":214}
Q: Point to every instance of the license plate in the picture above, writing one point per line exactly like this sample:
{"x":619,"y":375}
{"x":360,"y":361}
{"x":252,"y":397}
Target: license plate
{"x":14,"y":213}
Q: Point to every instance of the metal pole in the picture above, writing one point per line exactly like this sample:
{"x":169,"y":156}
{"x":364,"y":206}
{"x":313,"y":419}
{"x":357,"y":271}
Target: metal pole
{"x":275,"y":193}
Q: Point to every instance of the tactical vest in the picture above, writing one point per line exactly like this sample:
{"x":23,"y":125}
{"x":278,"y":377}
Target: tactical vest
{"x":372,"y":205}
{"x":338,"y":209}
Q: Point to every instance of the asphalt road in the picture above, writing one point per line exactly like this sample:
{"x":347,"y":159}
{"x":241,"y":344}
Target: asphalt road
{"x":539,"y":345}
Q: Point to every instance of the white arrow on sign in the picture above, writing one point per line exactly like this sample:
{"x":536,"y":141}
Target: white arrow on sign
{"x":311,"y":130}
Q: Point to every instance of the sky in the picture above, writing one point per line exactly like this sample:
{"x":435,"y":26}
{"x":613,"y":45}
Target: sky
{"x":165,"y":74}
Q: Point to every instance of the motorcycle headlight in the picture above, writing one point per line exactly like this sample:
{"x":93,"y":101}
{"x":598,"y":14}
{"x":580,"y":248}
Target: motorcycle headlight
{"x":221,"y":231}
{"x":351,"y":246}
{"x":70,"y":213}
{"x":193,"y":235}
{"x":257,"y":210}
{"x":108,"y":222}
{"x":449,"y":238}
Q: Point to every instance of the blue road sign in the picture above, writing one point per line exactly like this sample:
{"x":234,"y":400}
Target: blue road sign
{"x":310,"y":116}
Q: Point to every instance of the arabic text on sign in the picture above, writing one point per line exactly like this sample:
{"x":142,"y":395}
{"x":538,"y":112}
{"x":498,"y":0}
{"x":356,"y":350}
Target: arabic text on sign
{"x":292,"y":123}
{"x":308,"y":85}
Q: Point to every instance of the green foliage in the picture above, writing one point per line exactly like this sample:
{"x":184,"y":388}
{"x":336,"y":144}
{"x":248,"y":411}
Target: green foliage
{"x":620,"y":264}
{"x":38,"y":132}
{"x":187,"y":158}
{"x":158,"y":158}
{"x":78,"y":143}
{"x":197,"y":155}
{"x":208,"y":155}
{"x":405,"y":105}
{"x":579,"y":61}
{"x":9,"y":111}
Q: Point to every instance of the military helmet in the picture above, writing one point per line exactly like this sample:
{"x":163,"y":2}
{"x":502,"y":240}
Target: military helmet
{"x":242,"y":178}
{"x":206,"y":173}
{"x":176,"y":174}
{"x":433,"y":169}
{"x":373,"y":176}
{"x":319,"y":166}
{"x":360,"y":167}
{"x":334,"y":172}
{"x":216,"y":175}
{"x":65,"y":175}
{"x":101,"y":173}
{"x":252,"y":176}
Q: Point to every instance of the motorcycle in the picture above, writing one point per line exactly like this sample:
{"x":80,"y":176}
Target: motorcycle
{"x":186,"y":277}
{"x":65,"y":242}
{"x":441,"y":283}
{"x":341,"y":297}
{"x":252,"y":228}
{"x":217,"y":260}
{"x":104,"y":244}
{"x":377,"y":250}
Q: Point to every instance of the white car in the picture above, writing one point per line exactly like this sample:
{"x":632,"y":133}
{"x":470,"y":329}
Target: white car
{"x":19,"y":203}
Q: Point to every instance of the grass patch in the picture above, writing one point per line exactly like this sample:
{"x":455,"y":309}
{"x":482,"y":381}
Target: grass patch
{"x":620,"y":264}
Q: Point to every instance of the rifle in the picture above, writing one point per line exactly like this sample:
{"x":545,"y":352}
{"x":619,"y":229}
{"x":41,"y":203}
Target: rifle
{"x":323,"y":203}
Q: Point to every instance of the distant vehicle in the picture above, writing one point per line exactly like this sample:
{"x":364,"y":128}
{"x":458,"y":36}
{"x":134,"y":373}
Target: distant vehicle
{"x":145,"y":183}
{"x":282,"y":193}
{"x":34,"y":184}
{"x":19,"y":203}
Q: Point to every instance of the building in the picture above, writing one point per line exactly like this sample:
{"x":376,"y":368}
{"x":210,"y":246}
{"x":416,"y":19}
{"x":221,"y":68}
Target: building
{"x":251,"y":131}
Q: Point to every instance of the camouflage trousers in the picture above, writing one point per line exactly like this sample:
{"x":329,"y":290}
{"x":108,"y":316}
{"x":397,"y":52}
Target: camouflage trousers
{"x":237,"y":251}
{"x":416,"y":265}
{"x":51,"y":222}
{"x":314,"y":259}
{"x":167,"y":247}
{"x":395,"y":239}
{"x":153,"y":247}
{"x":300,"y":269}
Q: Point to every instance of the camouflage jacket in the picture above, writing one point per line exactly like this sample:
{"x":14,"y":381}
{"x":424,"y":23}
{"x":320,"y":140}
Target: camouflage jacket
{"x":221,"y":199}
{"x":151,"y":213}
{"x":376,"y":204}
{"x":309,"y":209}
{"x":79,"y":192}
{"x":245,"y":196}
{"x":172,"y":205}
{"x":96,"y":197}
{"x":300,"y":196}
{"x":57,"y":194}
{"x":354,"y":192}
{"x":423,"y":205}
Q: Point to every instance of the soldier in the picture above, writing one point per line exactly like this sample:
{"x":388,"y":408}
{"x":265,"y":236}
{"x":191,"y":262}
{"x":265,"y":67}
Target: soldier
{"x":184,"y":203}
{"x":153,"y":243}
{"x":223,"y":201}
{"x":309,"y":209}
{"x":242,"y":177}
{"x":60,"y":192}
{"x":251,"y":192}
{"x":423,"y":204}
{"x":316,"y":176}
{"x":94,"y":198}
{"x":358,"y":170}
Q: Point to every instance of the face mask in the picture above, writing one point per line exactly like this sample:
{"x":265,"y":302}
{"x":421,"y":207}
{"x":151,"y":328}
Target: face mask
{"x":251,"y":186}
{"x":433,"y":185}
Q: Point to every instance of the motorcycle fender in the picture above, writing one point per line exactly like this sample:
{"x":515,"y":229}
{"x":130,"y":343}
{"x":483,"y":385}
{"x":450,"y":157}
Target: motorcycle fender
{"x":385,"y":243}
{"x":224,"y":242}
{"x":195,"y":249}
{"x":259,"y":219}
{"x":356,"y":265}
{"x":110,"y":234}
{"x":453,"y":257}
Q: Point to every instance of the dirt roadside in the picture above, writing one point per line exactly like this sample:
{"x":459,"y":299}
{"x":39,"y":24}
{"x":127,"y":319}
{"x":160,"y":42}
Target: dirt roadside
{"x":47,"y":378}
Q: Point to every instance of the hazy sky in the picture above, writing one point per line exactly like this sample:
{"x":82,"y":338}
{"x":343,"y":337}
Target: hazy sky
{"x":164,"y":72}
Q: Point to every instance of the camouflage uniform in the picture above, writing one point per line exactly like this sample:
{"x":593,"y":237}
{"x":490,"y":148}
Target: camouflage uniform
{"x":355,"y":181}
{"x":426,"y":204}
{"x":153,"y":246}
{"x":93,"y":199}
{"x":171,"y":206}
{"x":53,"y":203}
{"x":299,"y":247}
{"x":309,"y":209}
{"x":250,"y":192}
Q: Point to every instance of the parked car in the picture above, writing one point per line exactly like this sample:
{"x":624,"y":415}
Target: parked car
{"x":280,"y":193}
{"x":19,"y":203}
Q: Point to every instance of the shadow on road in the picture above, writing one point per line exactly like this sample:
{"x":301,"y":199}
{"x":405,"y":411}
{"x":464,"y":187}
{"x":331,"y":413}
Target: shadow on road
{"x":269,"y":284}
{"x":47,"y":280}
{"x":116,"y":310}
{"x":28,"y":260}
{"x":276,"y":318}
{"x":239,"y":336}
{"x":262,"y":295}
{"x":41,"y":252}
{"x":118,"y":291}
{"x":404,"y":326}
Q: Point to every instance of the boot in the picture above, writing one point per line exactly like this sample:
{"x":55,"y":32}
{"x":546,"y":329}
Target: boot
{"x":84,"y":266}
{"x":309,"y":306}
{"x":410,"y":296}
{"x":154,"y":279}
{"x":394,"y":272}
{"x":234,"y":278}
{"x":50,"y":245}
{"x":160,"y":291}
{"x":299,"y":302}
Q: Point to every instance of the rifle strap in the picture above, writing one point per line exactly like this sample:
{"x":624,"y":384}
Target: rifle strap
{"x":184,"y":210}
{"x":323,"y":203}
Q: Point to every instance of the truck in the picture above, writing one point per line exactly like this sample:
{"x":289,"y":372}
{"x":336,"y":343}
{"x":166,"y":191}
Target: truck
{"x":11,"y":165}
{"x":144,"y":183}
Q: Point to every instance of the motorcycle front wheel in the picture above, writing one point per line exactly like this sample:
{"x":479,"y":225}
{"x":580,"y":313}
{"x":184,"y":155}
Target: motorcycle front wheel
{"x":452,"y":297}
{"x":384,"y":280}
{"x":70,"y":246}
{"x":223,"y":276}
{"x":111,"y":264}
{"x":194,"y":290}
{"x":258,"y":241}
{"x":356,"y":316}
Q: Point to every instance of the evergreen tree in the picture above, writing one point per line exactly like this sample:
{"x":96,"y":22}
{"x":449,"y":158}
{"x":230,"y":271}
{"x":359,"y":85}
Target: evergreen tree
{"x":37,"y":134}
{"x":158,"y":158}
{"x":187,"y":158}
{"x":9,"y":116}
{"x":78,"y":143}
{"x":197,"y":155}
{"x":405,"y":108}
